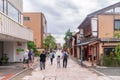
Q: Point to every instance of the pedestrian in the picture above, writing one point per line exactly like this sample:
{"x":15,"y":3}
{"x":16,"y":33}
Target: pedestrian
{"x":58,"y":61}
{"x":30,"y":58}
{"x":51,"y":56}
{"x":42,"y":60}
{"x":65,"y":58}
{"x":25,"y":59}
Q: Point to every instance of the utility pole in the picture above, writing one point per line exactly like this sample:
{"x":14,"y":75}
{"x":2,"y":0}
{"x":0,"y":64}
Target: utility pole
{"x":81,"y":56}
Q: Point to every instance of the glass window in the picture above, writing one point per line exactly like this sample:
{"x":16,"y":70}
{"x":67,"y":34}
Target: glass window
{"x":107,"y":51}
{"x":117,"y":10}
{"x":117,"y":24}
{"x":19,"y":18}
{"x":5,"y":7}
{"x":13,"y":12}
{"x":26,"y":18}
{"x":1,"y":5}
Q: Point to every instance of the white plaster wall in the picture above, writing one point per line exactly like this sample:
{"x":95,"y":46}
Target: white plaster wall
{"x":9,"y":49}
{"x":19,"y":55}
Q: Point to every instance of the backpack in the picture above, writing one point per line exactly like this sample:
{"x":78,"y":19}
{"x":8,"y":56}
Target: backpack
{"x":53,"y":56}
{"x":65,"y":55}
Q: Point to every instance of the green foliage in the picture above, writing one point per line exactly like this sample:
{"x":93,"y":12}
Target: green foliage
{"x":107,"y":61}
{"x":111,"y":62}
{"x":49,"y":43}
{"x":20,"y":50}
{"x":36,"y":53}
{"x":117,"y":50}
{"x":117,"y":34}
{"x":114,"y":58}
{"x":67,"y":34}
{"x":31,"y":45}
{"x":64,"y":46}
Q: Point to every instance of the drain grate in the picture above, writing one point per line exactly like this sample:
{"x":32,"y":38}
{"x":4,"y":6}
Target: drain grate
{"x":49,"y":78}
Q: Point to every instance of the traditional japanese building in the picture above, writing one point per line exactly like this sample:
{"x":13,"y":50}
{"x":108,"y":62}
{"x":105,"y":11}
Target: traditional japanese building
{"x":97,"y":33}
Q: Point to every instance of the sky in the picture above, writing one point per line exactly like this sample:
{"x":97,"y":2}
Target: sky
{"x":62,"y":15}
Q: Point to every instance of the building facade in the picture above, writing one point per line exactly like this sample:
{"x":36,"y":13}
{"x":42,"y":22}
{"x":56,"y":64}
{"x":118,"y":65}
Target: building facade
{"x":36,"y":22}
{"x":13,"y":35}
{"x":97,"y":33}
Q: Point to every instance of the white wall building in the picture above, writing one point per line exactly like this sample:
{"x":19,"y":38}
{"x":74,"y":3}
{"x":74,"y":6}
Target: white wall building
{"x":13,"y":35}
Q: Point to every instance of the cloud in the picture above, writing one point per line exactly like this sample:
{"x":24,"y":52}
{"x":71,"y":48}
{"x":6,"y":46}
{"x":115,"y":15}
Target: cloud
{"x":64,"y":14}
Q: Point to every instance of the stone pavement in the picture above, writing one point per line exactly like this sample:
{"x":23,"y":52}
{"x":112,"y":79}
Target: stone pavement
{"x":73,"y":72}
{"x":9,"y":70}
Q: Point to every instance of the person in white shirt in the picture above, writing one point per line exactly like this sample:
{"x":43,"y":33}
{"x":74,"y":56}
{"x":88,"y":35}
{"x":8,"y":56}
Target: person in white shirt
{"x":25,"y":59}
{"x":58,"y":61}
{"x":51,"y":57}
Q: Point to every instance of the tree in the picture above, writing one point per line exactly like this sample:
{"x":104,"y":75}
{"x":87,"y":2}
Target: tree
{"x":31,"y":45}
{"x":49,"y":43}
{"x":67,"y":34}
{"x":64,"y":46}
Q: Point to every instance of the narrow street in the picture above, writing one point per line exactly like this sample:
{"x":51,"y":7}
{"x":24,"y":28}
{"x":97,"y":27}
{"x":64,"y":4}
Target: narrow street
{"x":73,"y":72}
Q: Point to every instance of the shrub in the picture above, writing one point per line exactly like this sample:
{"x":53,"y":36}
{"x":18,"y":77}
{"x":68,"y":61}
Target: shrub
{"x":111,"y":62}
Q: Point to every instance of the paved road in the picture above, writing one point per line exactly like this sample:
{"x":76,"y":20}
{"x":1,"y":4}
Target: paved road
{"x":72,"y":72}
{"x":9,"y":70}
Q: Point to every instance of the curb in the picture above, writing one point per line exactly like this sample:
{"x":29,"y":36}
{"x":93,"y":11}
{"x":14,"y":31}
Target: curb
{"x":17,"y":74}
{"x":98,"y":72}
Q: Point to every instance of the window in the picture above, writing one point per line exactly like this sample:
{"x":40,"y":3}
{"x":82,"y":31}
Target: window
{"x":26,"y":18}
{"x":1,"y":5}
{"x":107,"y":51}
{"x":5,"y":7}
{"x":117,"y":24}
{"x":13,"y":12}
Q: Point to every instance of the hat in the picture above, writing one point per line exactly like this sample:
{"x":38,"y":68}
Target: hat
{"x":27,"y":50}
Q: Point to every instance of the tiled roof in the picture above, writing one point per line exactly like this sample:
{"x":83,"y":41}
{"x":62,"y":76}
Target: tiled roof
{"x":110,"y":39}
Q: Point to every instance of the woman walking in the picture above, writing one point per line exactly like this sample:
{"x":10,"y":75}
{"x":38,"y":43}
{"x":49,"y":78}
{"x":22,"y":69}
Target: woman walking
{"x":58,"y":61}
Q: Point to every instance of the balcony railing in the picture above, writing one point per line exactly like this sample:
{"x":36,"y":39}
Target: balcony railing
{"x":11,"y":28}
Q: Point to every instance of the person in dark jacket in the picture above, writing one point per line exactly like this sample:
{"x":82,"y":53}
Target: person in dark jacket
{"x":65,"y":58}
{"x":42,"y":60}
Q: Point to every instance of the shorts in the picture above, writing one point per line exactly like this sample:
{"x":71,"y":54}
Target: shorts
{"x":25,"y":61}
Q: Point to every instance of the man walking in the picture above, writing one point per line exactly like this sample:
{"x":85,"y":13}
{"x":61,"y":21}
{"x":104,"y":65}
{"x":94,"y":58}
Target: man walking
{"x":42,"y":60}
{"x":65,"y":57}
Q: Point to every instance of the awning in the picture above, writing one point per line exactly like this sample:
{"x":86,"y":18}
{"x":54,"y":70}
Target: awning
{"x":88,"y":42}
